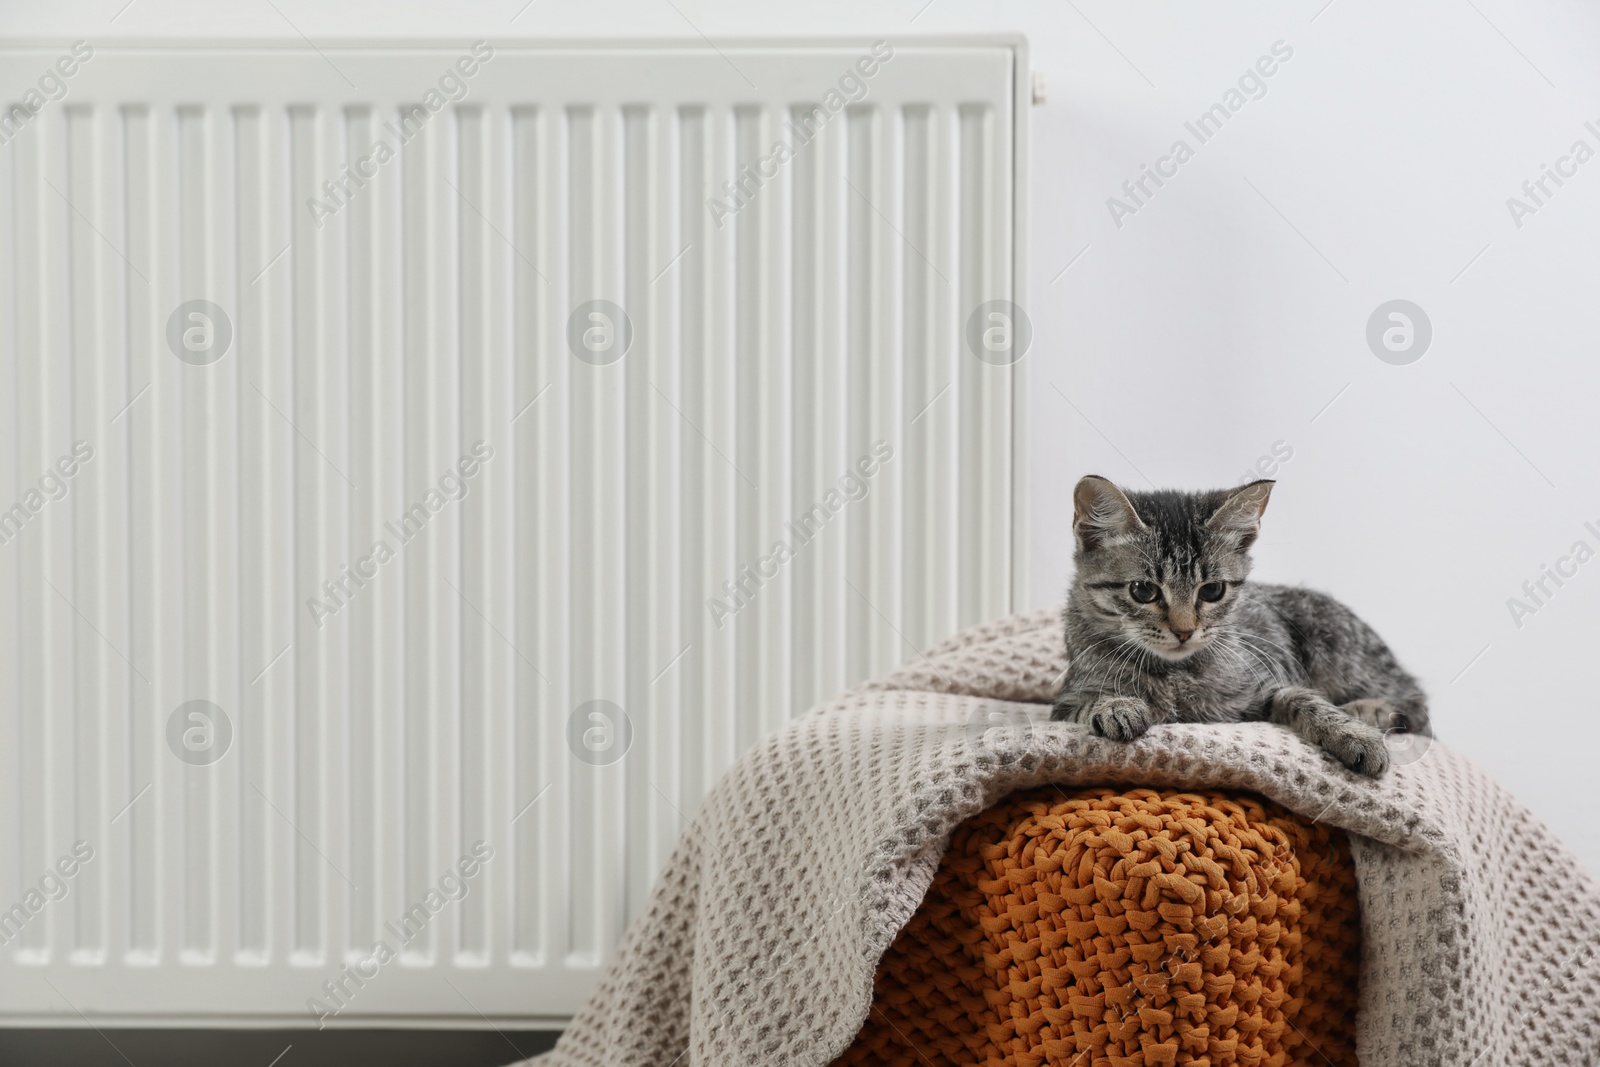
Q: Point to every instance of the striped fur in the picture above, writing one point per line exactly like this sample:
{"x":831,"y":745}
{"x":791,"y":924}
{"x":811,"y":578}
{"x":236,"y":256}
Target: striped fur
{"x":1286,"y":654}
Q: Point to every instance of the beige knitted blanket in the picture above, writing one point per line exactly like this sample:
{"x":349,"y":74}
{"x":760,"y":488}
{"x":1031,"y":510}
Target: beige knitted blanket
{"x":1481,"y":935}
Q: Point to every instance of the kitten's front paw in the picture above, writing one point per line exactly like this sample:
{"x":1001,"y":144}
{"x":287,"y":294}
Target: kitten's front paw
{"x":1359,"y":747}
{"x":1120,"y":718}
{"x":1391,"y":716}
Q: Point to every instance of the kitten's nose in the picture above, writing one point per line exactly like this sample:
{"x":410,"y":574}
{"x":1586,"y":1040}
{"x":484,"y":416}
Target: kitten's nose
{"x":1182,"y":635}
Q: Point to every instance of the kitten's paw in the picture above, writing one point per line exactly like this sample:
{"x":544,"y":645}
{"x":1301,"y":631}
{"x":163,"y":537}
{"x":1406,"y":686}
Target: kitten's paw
{"x":1390,"y":716}
{"x":1359,"y":747}
{"x":1120,"y":718}
{"x":1376,"y":712}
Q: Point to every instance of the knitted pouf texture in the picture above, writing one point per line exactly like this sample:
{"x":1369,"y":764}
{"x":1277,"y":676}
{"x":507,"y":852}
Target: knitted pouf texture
{"x":1129,"y":928}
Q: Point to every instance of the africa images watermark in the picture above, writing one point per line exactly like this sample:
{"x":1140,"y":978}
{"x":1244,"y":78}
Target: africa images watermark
{"x":454,"y":885}
{"x":803,"y":127}
{"x":1268,"y":464}
{"x":51,"y":86}
{"x":1538,"y":190}
{"x":353,"y":577}
{"x":54,"y":485}
{"x":53,"y":887}
{"x":1252,"y":85}
{"x":853,"y":486}
{"x":1537,"y":592}
{"x":452,"y":87}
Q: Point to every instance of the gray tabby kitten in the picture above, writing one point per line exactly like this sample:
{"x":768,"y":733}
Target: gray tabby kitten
{"x":1163,"y":627}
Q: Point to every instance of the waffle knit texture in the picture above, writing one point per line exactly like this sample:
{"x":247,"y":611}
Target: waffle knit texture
{"x":761,"y":940}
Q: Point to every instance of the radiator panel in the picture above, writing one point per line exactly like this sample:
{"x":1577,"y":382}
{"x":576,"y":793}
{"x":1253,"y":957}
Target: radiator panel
{"x":428,"y":702}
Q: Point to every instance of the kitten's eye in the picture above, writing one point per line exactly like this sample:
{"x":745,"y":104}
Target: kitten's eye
{"x":1212,"y":591}
{"x":1143,"y":592}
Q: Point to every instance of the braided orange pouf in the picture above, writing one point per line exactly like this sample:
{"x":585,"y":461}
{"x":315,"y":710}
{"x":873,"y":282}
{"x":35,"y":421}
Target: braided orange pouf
{"x":1126,"y":928}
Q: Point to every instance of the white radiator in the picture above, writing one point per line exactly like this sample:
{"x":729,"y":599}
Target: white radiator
{"x":241,"y":348}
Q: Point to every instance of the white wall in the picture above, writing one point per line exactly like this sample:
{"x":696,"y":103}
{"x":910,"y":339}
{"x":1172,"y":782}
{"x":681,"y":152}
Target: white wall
{"x":1225,"y":315}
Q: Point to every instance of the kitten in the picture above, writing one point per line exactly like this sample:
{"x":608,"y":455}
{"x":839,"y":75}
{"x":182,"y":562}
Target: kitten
{"x":1162,"y":626}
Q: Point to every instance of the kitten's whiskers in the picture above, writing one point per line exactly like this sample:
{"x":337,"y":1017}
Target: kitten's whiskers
{"x":1238,"y":655}
{"x":1242,"y":645}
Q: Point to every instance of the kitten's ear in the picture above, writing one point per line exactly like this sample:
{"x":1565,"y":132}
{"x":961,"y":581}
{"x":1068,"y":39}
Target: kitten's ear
{"x":1239,"y":517}
{"x":1101,"y":512}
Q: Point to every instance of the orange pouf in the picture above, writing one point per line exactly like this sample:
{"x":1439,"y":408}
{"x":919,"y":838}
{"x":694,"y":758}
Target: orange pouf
{"x":1126,"y":928}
